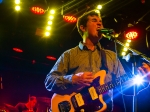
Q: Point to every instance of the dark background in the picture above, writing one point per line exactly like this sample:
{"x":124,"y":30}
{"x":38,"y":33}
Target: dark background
{"x":23,"y":74}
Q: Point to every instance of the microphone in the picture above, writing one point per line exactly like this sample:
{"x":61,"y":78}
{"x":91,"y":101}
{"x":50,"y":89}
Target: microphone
{"x":106,"y":31}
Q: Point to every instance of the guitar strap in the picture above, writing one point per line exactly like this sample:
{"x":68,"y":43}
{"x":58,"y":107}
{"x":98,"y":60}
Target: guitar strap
{"x":103,"y":60}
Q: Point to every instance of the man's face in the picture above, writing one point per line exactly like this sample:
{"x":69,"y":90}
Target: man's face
{"x":94,"y":24}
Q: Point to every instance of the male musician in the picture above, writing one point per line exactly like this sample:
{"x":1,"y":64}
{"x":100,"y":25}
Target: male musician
{"x":30,"y":106}
{"x":76,"y":68}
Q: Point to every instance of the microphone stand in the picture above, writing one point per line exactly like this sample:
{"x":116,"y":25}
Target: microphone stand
{"x":134,"y":109}
{"x":135,"y":52}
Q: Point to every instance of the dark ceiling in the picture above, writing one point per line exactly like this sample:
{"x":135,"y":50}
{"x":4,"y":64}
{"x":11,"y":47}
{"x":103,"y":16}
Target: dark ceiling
{"x":17,"y":29}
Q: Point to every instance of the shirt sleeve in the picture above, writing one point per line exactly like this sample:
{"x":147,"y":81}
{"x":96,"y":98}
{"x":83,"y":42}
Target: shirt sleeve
{"x":57,"y":80}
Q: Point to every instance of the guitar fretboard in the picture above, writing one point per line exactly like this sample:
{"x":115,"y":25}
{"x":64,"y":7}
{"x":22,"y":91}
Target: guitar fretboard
{"x":112,"y":84}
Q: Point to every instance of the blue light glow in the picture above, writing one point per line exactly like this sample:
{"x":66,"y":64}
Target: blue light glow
{"x":138,"y":80}
{"x":1,"y":1}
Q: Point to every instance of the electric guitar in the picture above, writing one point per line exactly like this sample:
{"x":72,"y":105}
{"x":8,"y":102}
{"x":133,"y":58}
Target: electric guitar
{"x":76,"y":101}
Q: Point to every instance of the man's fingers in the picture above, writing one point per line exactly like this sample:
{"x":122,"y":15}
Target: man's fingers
{"x":146,"y":67}
{"x":90,"y":77}
{"x":84,"y":83}
{"x":88,"y":80}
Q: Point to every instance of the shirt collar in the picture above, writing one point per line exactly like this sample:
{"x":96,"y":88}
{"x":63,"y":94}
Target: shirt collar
{"x":84,"y":47}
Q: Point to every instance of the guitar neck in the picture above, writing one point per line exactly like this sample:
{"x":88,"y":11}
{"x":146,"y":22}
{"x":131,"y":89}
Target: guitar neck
{"x":112,"y":84}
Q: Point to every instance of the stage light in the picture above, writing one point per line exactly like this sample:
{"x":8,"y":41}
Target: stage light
{"x":47,"y":33}
{"x":49,"y":22}
{"x":132,"y":31}
{"x":48,"y":28}
{"x":123,"y":53}
{"x":17,"y":5}
{"x":127,"y":44}
{"x":128,"y":41}
{"x":125,"y":49}
{"x":51,"y":58}
{"x":33,"y":61}
{"x":39,"y":7}
{"x":70,"y":19}
{"x":52,"y":11}
{"x":17,"y":49}
{"x":131,"y":35}
{"x":17,"y":1}
{"x":138,"y":79}
{"x":51,"y":17}
{"x":37,"y":10}
{"x":99,"y":7}
{"x":143,"y":1}
{"x":17,"y":8}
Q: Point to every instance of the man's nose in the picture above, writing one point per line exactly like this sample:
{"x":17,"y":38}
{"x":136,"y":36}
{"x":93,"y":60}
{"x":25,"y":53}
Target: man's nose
{"x":100,"y":25}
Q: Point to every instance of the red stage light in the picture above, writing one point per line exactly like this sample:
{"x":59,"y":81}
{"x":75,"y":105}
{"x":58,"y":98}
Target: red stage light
{"x":37,"y":10}
{"x":51,"y":58}
{"x":17,"y":50}
{"x":70,"y":19}
{"x":143,"y":1}
{"x":33,"y":61}
{"x":131,"y":35}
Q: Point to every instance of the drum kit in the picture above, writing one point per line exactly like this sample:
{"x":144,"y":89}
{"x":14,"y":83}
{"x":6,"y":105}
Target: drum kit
{"x":43,"y":105}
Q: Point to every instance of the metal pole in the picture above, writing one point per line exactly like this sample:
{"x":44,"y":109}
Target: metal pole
{"x":134,"y":87}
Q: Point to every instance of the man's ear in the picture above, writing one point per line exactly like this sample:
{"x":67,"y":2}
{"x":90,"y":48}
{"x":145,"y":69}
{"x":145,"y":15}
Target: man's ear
{"x":82,"y":28}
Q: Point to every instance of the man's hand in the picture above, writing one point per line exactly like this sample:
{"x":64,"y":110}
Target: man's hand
{"x":145,"y":70}
{"x":83,"y":78}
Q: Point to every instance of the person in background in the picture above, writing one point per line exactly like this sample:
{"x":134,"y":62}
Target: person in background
{"x":30,"y":106}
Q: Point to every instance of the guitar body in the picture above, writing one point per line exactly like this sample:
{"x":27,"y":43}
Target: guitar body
{"x":74,"y":102}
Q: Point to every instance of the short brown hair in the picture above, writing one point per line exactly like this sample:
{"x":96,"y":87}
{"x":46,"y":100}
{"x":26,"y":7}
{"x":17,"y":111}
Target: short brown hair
{"x":82,"y":20}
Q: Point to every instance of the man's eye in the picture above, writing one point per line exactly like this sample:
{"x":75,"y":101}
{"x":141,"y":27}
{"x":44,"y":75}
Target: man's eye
{"x":94,"y":20}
